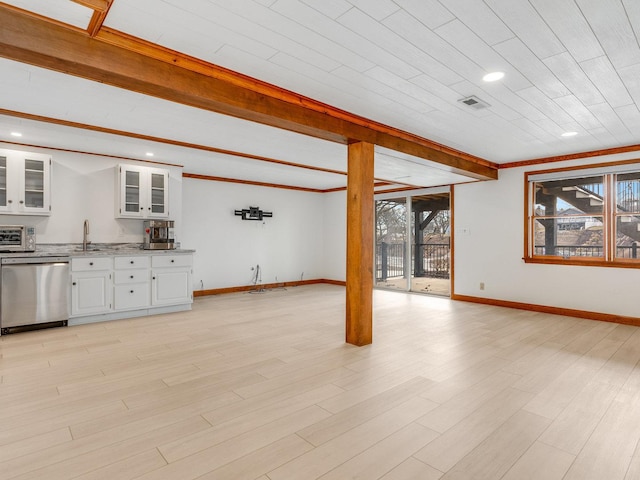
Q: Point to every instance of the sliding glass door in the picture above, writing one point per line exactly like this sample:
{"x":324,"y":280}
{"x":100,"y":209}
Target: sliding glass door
{"x":391,"y":244}
{"x":413,"y":246}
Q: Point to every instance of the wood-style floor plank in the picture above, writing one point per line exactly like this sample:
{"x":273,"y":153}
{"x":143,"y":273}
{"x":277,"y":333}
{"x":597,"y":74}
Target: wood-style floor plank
{"x":263,"y":387}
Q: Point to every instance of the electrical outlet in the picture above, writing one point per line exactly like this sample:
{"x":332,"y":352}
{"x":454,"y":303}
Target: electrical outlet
{"x":481,"y":285}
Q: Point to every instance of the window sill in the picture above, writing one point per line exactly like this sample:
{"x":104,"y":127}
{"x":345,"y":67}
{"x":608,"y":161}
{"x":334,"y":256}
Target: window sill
{"x":585,"y":262}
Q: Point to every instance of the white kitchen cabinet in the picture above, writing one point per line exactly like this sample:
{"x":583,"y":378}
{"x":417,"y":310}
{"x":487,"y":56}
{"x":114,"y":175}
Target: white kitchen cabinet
{"x":131,"y":287}
{"x":109,"y":287}
{"x":171,"y":279}
{"x":143,"y":192}
{"x":25,"y":183}
{"x":90,"y":285}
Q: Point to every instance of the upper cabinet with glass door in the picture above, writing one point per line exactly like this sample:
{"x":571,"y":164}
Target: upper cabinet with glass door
{"x":25,"y":183}
{"x":143,"y":192}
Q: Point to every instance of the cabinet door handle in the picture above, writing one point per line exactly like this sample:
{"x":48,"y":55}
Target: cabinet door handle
{"x":131,"y":276}
{"x":91,"y":264}
{"x":21,"y":202}
{"x":131,"y":262}
{"x":9,"y":201}
{"x":172,"y":260}
{"x":73,"y":283}
{"x":153,"y":278}
{"x":131,"y":291}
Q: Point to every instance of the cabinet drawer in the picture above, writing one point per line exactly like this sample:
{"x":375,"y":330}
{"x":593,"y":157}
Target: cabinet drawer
{"x":171,"y":261}
{"x":122,"y":277}
{"x":86,"y":264}
{"x":131,"y":296}
{"x":138,"y":261}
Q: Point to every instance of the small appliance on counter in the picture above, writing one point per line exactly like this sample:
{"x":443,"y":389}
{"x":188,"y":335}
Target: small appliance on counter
{"x":158,"y":235}
{"x":17,"y":238}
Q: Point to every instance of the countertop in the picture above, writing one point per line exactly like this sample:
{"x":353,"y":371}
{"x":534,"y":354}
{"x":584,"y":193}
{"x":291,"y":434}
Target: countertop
{"x":93,"y":250}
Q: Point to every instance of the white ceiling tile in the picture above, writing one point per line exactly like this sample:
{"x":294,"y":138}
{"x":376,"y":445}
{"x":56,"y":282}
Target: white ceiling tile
{"x":428,"y":41}
{"x":266,"y":26}
{"x":544,"y":104}
{"x":448,"y":96}
{"x":573,"y":30}
{"x":631,"y":79}
{"x":611,"y":26}
{"x":604,"y":136}
{"x":630,"y":115}
{"x":525,"y":22}
{"x":607,"y":116}
{"x":531,"y":67}
{"x":64,"y":11}
{"x":534,"y":129}
{"x":324,"y":35}
{"x":428,"y":100}
{"x":578,"y":111}
{"x":428,"y":12}
{"x":606,"y":79}
{"x":405,"y":97}
{"x":377,"y":9}
{"x":330,"y":8}
{"x":566,"y":69}
{"x":481,"y":19}
{"x":632,"y":7}
{"x":411,"y":60}
{"x":166,"y":24}
{"x":458,"y":35}
{"x":499,"y":94}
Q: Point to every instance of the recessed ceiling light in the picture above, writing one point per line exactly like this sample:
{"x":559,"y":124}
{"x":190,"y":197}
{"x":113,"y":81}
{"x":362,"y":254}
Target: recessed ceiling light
{"x":493,"y":76}
{"x":149,"y":154}
{"x":569,"y":134}
{"x":16,"y":134}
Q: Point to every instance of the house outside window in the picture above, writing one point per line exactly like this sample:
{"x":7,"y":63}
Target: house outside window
{"x":584,"y":216}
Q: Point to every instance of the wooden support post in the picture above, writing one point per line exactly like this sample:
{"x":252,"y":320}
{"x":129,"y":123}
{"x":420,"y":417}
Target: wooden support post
{"x":360,"y":213}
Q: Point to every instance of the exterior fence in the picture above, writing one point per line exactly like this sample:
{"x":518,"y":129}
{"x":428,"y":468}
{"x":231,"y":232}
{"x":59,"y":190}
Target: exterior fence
{"x":630,"y":251}
{"x":390,"y":260}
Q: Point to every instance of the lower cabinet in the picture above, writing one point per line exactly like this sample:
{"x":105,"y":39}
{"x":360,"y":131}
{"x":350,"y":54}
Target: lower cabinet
{"x":171,"y":279}
{"x":135,"y":284}
{"x":90,"y":285}
{"x":131,"y":287}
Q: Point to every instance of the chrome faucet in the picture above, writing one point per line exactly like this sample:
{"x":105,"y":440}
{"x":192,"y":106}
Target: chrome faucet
{"x":85,"y":234}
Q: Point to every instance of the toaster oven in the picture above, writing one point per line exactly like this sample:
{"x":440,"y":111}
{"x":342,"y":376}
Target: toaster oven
{"x":17,"y":238}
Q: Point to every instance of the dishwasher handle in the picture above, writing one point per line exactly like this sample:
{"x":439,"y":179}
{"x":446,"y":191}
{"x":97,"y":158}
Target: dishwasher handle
{"x":32,"y":260}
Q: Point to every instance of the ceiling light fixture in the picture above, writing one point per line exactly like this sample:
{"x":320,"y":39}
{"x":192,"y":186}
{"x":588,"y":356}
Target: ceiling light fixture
{"x":16,"y":134}
{"x":493,"y":76}
{"x":569,"y":134}
{"x":149,"y":154}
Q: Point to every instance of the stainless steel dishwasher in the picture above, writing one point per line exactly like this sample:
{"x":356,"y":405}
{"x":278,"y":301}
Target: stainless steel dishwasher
{"x":34,"y":293}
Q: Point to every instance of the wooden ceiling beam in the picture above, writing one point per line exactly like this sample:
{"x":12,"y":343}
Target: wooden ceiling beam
{"x":37,"y":42}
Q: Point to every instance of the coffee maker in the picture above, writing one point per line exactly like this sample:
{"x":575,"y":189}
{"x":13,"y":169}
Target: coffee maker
{"x":158,"y":235}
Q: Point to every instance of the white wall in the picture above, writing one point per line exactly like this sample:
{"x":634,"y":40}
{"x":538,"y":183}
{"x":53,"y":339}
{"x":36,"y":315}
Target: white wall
{"x":84,"y":187}
{"x":335,"y":236}
{"x":489,"y":246}
{"x":287,"y":246}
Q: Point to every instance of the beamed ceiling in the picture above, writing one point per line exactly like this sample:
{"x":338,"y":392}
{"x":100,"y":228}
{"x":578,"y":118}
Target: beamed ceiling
{"x":271,"y":91}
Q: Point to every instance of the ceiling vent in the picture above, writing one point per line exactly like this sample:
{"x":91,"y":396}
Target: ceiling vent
{"x":474,"y":102}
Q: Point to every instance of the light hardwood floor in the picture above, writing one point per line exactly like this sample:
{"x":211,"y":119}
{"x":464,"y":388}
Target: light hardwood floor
{"x":262,"y":386}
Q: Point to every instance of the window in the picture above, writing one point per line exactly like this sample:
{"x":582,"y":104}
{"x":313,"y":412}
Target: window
{"x":584,"y":216}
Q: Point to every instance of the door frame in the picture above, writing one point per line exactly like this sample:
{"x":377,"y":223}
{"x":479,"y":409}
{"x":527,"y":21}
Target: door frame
{"x":409,"y":218}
